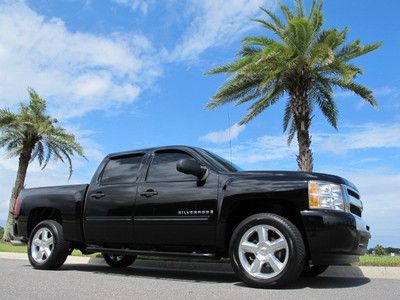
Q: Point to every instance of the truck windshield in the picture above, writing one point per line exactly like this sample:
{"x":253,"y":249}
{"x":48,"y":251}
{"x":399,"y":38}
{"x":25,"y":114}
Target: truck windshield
{"x":221,"y":163}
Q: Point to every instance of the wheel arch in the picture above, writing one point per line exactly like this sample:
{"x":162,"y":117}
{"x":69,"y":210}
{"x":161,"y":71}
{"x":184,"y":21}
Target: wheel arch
{"x":240,"y":210}
{"x":40,"y":214}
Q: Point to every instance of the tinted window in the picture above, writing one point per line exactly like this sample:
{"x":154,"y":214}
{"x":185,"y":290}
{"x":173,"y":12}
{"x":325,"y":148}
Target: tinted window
{"x":163,"y":167}
{"x":121,"y":170}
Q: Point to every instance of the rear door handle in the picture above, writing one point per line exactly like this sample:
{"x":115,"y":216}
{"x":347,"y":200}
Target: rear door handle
{"x":97,"y":195}
{"x":149,"y":193}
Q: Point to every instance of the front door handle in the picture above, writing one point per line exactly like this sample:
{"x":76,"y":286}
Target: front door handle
{"x":97,"y":195}
{"x":149,"y":193}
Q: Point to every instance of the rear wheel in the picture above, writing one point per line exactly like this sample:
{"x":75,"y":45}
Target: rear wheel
{"x":119,"y":261}
{"x":47,"y":248}
{"x":267,"y":250}
{"x":314,"y":271}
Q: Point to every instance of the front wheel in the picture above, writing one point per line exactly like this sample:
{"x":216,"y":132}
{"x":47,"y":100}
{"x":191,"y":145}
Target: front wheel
{"x":47,"y":249}
{"x":267,"y":250}
{"x":119,"y":261}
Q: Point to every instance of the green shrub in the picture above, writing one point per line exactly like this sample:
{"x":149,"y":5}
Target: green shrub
{"x":380,"y":250}
{"x":1,"y":232}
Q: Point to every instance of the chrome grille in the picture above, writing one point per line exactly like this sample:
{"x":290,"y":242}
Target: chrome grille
{"x":356,"y":205}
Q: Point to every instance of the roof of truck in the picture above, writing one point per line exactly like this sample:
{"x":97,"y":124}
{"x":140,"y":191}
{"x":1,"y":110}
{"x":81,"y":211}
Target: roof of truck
{"x":177,"y":147}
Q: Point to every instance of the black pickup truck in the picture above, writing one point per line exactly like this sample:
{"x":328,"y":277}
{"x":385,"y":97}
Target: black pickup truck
{"x":186,"y":201}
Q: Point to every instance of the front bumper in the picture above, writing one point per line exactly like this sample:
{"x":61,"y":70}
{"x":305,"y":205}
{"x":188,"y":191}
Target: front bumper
{"x":334,"y":237}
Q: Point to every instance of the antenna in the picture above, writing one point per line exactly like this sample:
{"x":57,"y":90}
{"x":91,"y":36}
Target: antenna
{"x":229,"y":135}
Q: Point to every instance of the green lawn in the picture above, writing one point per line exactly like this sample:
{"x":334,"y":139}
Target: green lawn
{"x":384,"y":261}
{"x":7,"y":247}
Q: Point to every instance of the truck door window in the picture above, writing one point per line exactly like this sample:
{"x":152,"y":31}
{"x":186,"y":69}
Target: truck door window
{"x":163,"y":167}
{"x":121,"y":170}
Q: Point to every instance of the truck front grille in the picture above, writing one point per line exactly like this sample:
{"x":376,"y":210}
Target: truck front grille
{"x":355,"y":210}
{"x":356,"y":206}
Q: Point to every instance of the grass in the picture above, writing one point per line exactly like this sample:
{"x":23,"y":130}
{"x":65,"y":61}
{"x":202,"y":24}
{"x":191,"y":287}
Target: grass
{"x":381,"y":261}
{"x":7,"y":247}
{"x":368,"y":260}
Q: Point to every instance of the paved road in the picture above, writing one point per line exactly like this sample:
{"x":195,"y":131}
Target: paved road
{"x":19,"y":281}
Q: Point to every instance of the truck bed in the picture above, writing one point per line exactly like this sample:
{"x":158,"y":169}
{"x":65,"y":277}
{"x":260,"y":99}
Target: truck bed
{"x":69,"y":199}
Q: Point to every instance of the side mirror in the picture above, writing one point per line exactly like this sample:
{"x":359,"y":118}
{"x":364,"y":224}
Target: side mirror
{"x":191,"y":167}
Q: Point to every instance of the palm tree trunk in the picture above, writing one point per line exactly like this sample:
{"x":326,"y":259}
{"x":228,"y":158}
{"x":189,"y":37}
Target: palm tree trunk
{"x":19,"y":184}
{"x":302,"y":118}
{"x":305,"y":157}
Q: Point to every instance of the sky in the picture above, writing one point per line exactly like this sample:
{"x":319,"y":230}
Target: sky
{"x":128,"y":74}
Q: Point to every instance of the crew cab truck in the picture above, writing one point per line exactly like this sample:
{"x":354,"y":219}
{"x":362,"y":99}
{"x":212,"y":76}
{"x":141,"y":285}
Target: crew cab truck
{"x":186,"y":201}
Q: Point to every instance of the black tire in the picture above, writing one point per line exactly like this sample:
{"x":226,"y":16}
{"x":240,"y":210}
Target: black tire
{"x":294,"y":243}
{"x":119,"y":261}
{"x":59,"y":249}
{"x":314,"y":271}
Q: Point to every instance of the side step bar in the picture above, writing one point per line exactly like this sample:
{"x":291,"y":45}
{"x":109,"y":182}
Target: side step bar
{"x":149,"y":252}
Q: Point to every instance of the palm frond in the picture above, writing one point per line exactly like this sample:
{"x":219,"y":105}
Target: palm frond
{"x":358,"y":89}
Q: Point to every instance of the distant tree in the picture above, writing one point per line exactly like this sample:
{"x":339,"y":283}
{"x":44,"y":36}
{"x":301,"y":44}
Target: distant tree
{"x":392,"y":250}
{"x":379,"y":250}
{"x":32,"y":134}
{"x":1,"y":231}
{"x":299,"y":61}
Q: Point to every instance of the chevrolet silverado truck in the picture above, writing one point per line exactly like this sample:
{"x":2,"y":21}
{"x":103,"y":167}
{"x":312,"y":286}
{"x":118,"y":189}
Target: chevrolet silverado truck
{"x":188,"y":202}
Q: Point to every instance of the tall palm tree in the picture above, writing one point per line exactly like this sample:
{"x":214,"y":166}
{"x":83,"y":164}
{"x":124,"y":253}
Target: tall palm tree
{"x":301,"y":62}
{"x":32,"y":134}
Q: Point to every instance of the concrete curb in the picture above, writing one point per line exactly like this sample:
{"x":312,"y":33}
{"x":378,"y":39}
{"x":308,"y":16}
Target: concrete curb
{"x":333,"y":271}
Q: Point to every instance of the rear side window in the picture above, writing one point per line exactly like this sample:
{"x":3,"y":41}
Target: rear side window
{"x":121,"y":170}
{"x":163,"y":167}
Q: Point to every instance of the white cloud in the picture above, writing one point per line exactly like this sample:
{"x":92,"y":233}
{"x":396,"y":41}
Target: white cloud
{"x":76,"y":71}
{"x":223,"y":136}
{"x":270,"y":147}
{"x":365,"y":136}
{"x":215,"y":23}
{"x":261,"y":149}
{"x":136,"y":5}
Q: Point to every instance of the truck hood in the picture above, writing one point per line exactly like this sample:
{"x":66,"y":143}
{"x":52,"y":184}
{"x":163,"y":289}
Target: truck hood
{"x":274,"y":175}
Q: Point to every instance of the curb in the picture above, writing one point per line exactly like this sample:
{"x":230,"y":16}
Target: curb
{"x":333,"y":271}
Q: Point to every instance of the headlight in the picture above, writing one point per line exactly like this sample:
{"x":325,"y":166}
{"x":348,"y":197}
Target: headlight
{"x":326,"y":195}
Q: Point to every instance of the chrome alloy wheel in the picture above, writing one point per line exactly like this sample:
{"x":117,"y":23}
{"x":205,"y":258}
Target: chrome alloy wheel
{"x":42,"y":245}
{"x":263,"y":251}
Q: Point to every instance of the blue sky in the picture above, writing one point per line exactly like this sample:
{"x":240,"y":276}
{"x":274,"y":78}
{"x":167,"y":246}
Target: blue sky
{"x":126,"y":74}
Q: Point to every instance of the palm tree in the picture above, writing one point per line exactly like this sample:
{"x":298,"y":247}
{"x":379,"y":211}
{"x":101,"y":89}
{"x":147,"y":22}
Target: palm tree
{"x":303,"y":63}
{"x":31,"y":134}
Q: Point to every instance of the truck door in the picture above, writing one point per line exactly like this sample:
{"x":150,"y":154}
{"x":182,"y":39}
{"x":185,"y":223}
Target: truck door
{"x":173,"y":208}
{"x":109,"y":207}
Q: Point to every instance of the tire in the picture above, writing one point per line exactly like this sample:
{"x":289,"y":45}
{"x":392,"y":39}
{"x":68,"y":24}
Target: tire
{"x":119,"y":261}
{"x":274,"y":260}
{"x":314,"y":271}
{"x":47,"y":249}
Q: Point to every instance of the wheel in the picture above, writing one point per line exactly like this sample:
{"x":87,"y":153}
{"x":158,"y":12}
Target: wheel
{"x":314,"y":271}
{"x":119,"y":261}
{"x":47,"y":249}
{"x":267,"y":250}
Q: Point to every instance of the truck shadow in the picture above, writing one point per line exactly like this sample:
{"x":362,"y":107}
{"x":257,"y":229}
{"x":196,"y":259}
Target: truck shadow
{"x":224,"y":275}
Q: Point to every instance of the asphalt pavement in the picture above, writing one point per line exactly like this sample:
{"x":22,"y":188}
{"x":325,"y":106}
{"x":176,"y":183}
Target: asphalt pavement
{"x":18,"y":280}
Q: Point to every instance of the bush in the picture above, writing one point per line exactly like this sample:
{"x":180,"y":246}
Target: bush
{"x":1,"y":232}
{"x":379,"y":250}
